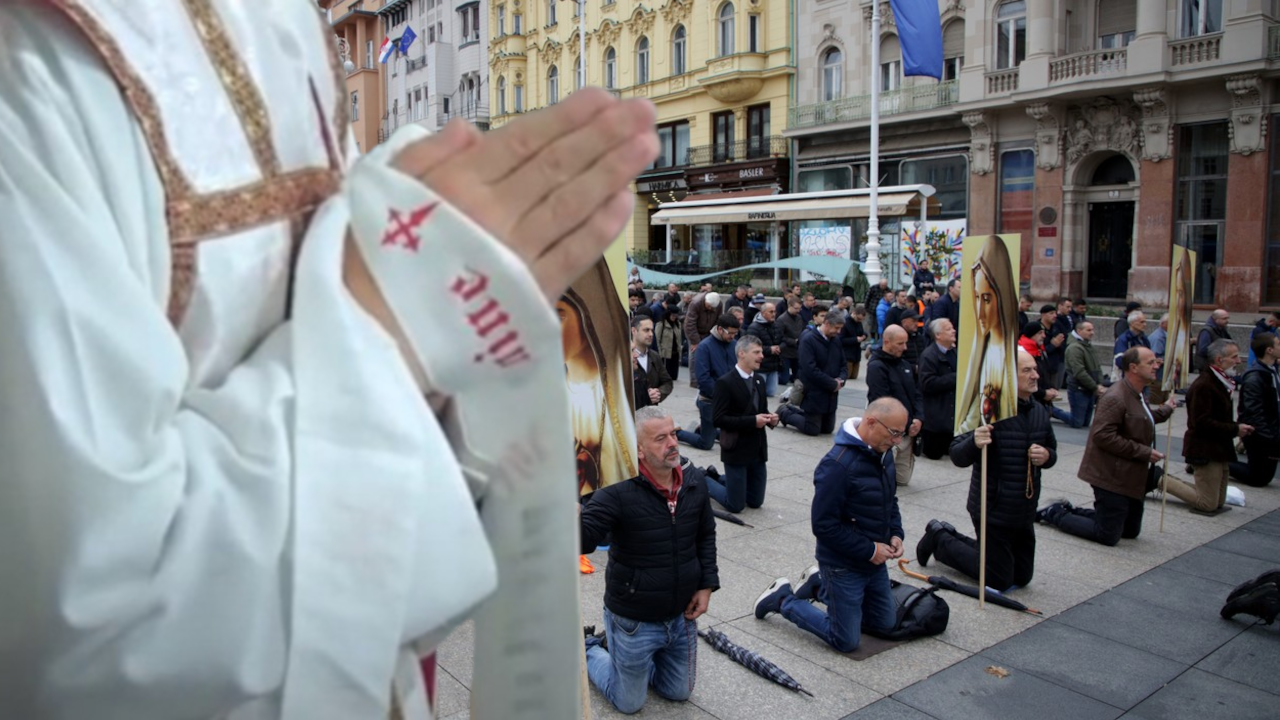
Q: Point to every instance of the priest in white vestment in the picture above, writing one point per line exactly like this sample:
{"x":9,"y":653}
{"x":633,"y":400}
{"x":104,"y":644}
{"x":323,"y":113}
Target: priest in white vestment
{"x":248,"y":382}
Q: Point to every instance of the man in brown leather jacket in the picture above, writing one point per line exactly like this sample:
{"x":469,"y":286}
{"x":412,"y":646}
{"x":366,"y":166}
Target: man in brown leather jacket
{"x":1211,"y":432}
{"x":1117,"y":457}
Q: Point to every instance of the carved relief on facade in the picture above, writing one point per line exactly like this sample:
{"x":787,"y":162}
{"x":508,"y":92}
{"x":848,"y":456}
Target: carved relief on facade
{"x":608,"y":32}
{"x":1104,"y":124}
{"x":549,"y":53}
{"x":1048,"y":119}
{"x":886,"y":15}
{"x":1157,"y":123}
{"x":1248,"y":127}
{"x":981,"y":151}
{"x":641,"y":21}
{"x":676,"y":11}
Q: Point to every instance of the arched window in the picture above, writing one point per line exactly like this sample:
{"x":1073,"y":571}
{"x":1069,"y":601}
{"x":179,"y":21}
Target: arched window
{"x":890,"y":64}
{"x":1011,"y":34}
{"x":952,"y":50}
{"x":642,"y":61}
{"x":832,"y":74}
{"x":678,"y":42}
{"x":610,"y":69}
{"x":502,"y":95}
{"x":577,"y":73}
{"x":724,"y":32}
{"x":553,"y":85}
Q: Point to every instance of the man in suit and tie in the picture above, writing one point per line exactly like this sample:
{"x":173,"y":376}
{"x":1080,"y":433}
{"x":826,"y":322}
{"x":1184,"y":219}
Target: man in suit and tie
{"x":741,"y":414}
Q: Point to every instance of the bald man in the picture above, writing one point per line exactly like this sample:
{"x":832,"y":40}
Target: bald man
{"x":889,"y":375}
{"x":858,"y":527}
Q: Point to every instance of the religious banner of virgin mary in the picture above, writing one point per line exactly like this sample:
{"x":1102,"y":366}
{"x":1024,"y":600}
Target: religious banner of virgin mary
{"x":1177,"y":348}
{"x":987,"y":385}
{"x":597,"y":363}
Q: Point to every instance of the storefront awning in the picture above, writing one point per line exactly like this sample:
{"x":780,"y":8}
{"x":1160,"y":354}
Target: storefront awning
{"x":834,"y":205}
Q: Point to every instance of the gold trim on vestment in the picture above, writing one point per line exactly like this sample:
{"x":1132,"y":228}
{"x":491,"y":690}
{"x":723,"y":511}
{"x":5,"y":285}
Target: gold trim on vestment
{"x":237,"y":83}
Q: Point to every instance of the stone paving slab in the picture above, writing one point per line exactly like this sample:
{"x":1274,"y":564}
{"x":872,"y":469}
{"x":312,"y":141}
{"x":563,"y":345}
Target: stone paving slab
{"x":1087,"y":663}
{"x":1184,"y":636}
{"x":1196,"y":695}
{"x":1251,"y":658}
{"x":888,"y":709}
{"x":966,"y":691}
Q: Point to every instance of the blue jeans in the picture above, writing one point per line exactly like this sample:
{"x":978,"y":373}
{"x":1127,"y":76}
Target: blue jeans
{"x":640,"y":654}
{"x":743,"y":486}
{"x":770,"y":383}
{"x":1082,"y":405}
{"x":847,"y":594}
{"x":705,"y":438}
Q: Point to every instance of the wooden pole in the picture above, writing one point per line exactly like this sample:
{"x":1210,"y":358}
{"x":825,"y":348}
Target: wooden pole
{"x":1164,"y":475}
{"x":982,"y":538}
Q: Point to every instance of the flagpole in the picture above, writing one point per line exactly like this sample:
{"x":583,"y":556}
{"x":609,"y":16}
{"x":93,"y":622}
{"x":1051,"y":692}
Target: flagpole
{"x":872,"y":268}
{"x":582,"y":43}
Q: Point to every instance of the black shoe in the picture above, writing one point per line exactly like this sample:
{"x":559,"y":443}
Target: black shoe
{"x":929,"y":541}
{"x":589,"y":633}
{"x":1261,"y":602}
{"x":771,"y":600}
{"x":1052,"y":513}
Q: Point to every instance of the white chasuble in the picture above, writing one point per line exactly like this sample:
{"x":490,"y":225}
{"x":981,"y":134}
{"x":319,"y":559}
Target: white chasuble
{"x":223,"y":495}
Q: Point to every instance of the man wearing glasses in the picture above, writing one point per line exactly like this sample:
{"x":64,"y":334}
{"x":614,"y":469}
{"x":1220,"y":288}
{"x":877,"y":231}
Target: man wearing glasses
{"x":858,"y":527}
{"x":1018,"y":449}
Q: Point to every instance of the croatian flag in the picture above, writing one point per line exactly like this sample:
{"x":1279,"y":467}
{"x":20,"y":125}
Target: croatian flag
{"x":920,"y":34}
{"x":409,"y":36}
{"x":384,"y":52}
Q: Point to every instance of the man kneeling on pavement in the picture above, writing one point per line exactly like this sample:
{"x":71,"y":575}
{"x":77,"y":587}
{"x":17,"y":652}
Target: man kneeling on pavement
{"x":662,"y":571}
{"x":858,"y":527}
{"x":1018,"y":449}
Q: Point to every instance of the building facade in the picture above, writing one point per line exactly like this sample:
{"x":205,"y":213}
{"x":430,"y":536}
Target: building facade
{"x":444,"y":73}
{"x":719,"y":73}
{"x":1101,"y":131}
{"x":358,"y":35}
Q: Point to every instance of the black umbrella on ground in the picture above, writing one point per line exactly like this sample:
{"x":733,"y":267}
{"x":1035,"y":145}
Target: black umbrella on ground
{"x":731,"y":518}
{"x":945,"y":583}
{"x":751,"y":660}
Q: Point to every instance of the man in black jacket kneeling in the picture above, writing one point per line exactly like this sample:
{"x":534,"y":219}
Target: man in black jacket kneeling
{"x":1018,"y":448}
{"x":661,"y":572}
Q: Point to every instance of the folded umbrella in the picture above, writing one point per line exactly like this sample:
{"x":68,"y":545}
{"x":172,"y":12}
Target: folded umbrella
{"x":751,"y":660}
{"x":731,"y":518}
{"x":945,"y":583}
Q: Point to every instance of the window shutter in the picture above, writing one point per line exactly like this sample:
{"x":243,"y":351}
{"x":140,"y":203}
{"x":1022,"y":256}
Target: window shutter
{"x":1117,"y":16}
{"x":953,"y":39}
{"x":890,"y":50}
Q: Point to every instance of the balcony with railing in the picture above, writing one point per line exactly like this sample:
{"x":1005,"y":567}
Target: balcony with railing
{"x":1273,"y":42}
{"x":1002,"y":82}
{"x":928,"y":96}
{"x":756,"y":148}
{"x":1195,"y":50}
{"x":1089,"y":65}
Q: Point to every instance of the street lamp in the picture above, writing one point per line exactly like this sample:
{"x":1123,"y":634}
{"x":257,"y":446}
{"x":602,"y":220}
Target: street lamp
{"x":344,"y":52}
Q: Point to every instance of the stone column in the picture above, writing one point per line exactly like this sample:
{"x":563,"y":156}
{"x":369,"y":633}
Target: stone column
{"x":1053,"y":270}
{"x":982,"y":181}
{"x":1033,"y":73}
{"x":1149,"y":278}
{"x":1239,"y":284}
{"x":1147,"y":52}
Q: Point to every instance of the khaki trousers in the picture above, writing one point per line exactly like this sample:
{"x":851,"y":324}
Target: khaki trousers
{"x":1209,"y":491}
{"x":904,"y":460}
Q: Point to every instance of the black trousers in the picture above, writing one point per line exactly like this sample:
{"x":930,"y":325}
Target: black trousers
{"x":1113,"y":517}
{"x":673,"y":368}
{"x":1011,"y":554}
{"x":808,"y":423}
{"x":935,"y":445}
{"x":1262,"y":462}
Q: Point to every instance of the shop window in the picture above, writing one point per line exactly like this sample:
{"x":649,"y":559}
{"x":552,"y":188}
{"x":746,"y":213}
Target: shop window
{"x":823,"y":179}
{"x":1017,"y":200}
{"x":949,"y":175}
{"x":1272,"y":290}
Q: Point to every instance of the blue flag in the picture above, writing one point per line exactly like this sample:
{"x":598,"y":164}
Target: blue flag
{"x":920,"y":35}
{"x":407,"y":39}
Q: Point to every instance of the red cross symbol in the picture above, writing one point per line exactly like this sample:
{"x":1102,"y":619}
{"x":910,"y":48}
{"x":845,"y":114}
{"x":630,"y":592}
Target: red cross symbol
{"x":403,"y":232}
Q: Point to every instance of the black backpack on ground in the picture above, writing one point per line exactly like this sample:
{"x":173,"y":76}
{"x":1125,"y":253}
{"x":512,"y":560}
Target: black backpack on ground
{"x":1259,"y":597}
{"x":921,"y":613}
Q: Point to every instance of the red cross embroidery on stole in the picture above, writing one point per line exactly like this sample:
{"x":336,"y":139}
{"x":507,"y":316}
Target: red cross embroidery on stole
{"x":403,"y":232}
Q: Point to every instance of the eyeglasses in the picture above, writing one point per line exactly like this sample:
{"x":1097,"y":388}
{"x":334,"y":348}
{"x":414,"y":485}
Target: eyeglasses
{"x":895,"y":434}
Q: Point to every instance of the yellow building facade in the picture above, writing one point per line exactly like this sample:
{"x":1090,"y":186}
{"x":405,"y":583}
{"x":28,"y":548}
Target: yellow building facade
{"x":719,"y":72}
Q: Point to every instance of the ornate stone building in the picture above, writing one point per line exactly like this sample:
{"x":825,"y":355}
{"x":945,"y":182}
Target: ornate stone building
{"x":719,"y":72}
{"x":1102,"y":131}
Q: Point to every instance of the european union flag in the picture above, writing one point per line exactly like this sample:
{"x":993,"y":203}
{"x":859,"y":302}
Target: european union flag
{"x":920,"y":35}
{"x":409,"y":36}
